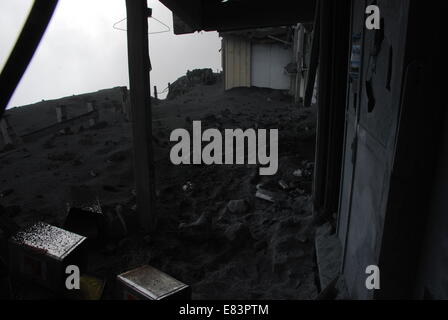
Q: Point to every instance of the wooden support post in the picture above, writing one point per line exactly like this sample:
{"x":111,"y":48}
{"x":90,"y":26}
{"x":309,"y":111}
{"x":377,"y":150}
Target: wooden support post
{"x":91,"y":106}
{"x":9,"y":134}
{"x":138,"y":60}
{"x":4,"y":130}
{"x":61,"y":113}
{"x":155,"y":92}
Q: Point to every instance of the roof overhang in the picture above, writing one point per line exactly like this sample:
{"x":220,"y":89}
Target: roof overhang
{"x":218,"y":15}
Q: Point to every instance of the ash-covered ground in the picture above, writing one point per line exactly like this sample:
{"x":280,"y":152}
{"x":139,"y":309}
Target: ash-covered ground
{"x":212,"y":232}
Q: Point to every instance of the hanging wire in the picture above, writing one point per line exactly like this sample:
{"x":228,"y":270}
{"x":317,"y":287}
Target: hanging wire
{"x":168,"y":29}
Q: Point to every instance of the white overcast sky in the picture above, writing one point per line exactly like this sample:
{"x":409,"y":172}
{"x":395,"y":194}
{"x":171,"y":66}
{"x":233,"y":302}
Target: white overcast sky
{"x":81,"y":51}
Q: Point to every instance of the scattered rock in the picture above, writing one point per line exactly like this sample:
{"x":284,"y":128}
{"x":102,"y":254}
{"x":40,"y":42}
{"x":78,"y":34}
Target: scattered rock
{"x":203,"y":220}
{"x":266,"y":195}
{"x":93,"y":173}
{"x":238,"y":234}
{"x":188,"y":186}
{"x":238,"y":206}
{"x":298,"y":173}
{"x":283,"y":185}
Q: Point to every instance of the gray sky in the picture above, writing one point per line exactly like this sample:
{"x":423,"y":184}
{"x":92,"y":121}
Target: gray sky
{"x":81,"y":51}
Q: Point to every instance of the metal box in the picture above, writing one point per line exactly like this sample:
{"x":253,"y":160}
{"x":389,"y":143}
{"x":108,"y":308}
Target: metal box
{"x":42,"y":252}
{"x":148,"y":283}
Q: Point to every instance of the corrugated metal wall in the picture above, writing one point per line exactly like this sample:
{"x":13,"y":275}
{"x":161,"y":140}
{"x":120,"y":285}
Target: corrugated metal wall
{"x":237,"y":56}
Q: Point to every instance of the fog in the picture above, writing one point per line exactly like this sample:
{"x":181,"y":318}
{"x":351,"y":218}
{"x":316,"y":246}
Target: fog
{"x":82,"y":52}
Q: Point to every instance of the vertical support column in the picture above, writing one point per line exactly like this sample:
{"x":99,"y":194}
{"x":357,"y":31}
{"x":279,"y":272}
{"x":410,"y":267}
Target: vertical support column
{"x":10,"y":137}
{"x":155,"y":93}
{"x":125,"y":104}
{"x":139,"y":67}
{"x":4,"y":130}
{"x":91,"y":106}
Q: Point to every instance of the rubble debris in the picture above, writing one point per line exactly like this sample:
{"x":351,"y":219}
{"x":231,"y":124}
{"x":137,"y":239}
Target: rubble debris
{"x":238,"y":206}
{"x":203,"y":220}
{"x":184,"y":84}
{"x":298,"y":173}
{"x":93,"y":173}
{"x":266,"y":195}
{"x":283,"y":185}
{"x":148,"y":283}
{"x":187,"y":187}
{"x":238,"y":234}
{"x":202,"y":250}
{"x":285,"y":250}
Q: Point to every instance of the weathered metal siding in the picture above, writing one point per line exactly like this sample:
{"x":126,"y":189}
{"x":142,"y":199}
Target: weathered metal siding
{"x":237,"y":62}
{"x":372,"y":118}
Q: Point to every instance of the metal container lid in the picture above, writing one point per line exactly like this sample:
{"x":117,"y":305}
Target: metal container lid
{"x":52,"y":240}
{"x":151,"y":282}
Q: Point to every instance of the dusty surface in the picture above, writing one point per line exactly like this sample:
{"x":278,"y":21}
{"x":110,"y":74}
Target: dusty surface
{"x":244,"y":249}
